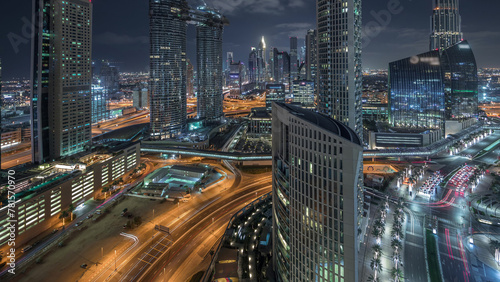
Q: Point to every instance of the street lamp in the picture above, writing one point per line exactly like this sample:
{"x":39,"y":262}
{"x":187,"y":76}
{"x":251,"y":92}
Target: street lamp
{"x":115,"y":260}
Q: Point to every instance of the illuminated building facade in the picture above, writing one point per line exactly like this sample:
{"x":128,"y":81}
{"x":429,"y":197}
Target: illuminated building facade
{"x":303,"y":93}
{"x":316,"y":166}
{"x":39,"y":206}
{"x":311,"y":54}
{"x":446,"y":24}
{"x":431,"y":88}
{"x":167,"y":81}
{"x":460,"y":81}
{"x":416,"y":92}
{"x":293,"y":58}
{"x":168,"y":27}
{"x":274,"y":93}
{"x":339,"y":61}
{"x":61,"y":78}
{"x":209,"y":29}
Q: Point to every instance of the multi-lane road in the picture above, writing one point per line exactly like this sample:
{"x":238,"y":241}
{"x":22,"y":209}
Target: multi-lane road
{"x":195,"y":228}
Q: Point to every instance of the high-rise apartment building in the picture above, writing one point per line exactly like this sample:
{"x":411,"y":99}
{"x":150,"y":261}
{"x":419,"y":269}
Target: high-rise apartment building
{"x":209,"y":29}
{"x":311,"y":59}
{"x":167,"y":82}
{"x":446,"y":24}
{"x":316,"y":166}
{"x":61,"y":78}
{"x":293,"y":58}
{"x":339,"y":61}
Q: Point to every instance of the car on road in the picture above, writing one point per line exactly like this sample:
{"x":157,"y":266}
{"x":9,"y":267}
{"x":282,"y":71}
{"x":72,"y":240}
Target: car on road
{"x":98,"y":211}
{"x":25,"y":249}
{"x":83,"y":265}
{"x":90,"y":216}
{"x":54,"y":231}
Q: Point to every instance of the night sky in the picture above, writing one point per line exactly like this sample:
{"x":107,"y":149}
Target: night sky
{"x":121,"y":30}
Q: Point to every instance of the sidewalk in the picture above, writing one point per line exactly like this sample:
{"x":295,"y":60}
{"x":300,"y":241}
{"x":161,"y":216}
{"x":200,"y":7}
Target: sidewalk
{"x":481,"y":249}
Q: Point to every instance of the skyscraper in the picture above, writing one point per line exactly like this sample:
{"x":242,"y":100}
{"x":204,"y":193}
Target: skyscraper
{"x":110,"y":78}
{"x":428,"y":89}
{"x":167,"y":81}
{"x":446,"y":24}
{"x":61,"y":78}
{"x":311,"y":55}
{"x":316,"y":166}
{"x":460,"y":81}
{"x":262,"y":61}
{"x":253,"y":66}
{"x":229,"y":59}
{"x":209,"y":29}
{"x":339,"y":61}
{"x":416,"y":95}
{"x":293,"y":58}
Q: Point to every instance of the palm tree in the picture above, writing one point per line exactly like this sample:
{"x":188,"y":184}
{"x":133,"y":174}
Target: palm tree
{"x":396,"y":244}
{"x":71,"y":208}
{"x":377,"y":250}
{"x":372,"y":278}
{"x":397,"y":274}
{"x":376,"y":265}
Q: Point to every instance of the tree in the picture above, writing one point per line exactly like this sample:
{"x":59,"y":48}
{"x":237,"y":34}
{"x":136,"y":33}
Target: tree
{"x":377,"y":250}
{"x":397,"y":274}
{"x":71,"y":208}
{"x":376,"y":265}
{"x":372,"y":278}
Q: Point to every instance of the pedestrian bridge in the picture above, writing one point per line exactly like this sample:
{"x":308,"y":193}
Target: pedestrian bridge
{"x":234,"y":156}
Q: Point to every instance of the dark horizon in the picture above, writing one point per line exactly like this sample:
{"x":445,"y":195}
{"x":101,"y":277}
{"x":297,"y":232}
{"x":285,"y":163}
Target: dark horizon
{"x":123,"y":36}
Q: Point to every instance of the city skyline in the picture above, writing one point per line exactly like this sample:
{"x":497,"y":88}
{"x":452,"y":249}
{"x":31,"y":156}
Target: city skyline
{"x":124,"y":39}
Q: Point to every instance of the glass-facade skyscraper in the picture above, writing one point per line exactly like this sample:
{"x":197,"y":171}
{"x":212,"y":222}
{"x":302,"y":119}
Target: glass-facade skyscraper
{"x":316,"y":167}
{"x":430,"y":88}
{"x":416,"y":92}
{"x":294,"y":63}
{"x":339,"y":61}
{"x":61,"y":76}
{"x":311,"y":55}
{"x":446,"y":24}
{"x":209,"y":31}
{"x":167,"y":67}
{"x":460,"y":81}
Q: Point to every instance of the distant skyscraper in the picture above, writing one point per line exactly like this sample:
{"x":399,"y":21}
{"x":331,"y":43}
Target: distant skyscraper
{"x":229,"y":59}
{"x":293,"y":58}
{"x":110,"y":78}
{"x":262,"y":61}
{"x":190,"y":81}
{"x":99,"y":104}
{"x":446,"y":24}
{"x":61,"y":78}
{"x":316,"y":166}
{"x":311,"y":55}
{"x":209,"y":29}
{"x":253,"y":64}
{"x":339,"y":61}
{"x":275,"y":93}
{"x":167,"y":67}
{"x":281,"y":67}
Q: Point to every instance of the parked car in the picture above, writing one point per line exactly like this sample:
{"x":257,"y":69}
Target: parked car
{"x":83,"y":265}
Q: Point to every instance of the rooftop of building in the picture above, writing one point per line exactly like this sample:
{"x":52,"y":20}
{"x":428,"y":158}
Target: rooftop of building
{"x":324,"y":122}
{"x":260,"y":113}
